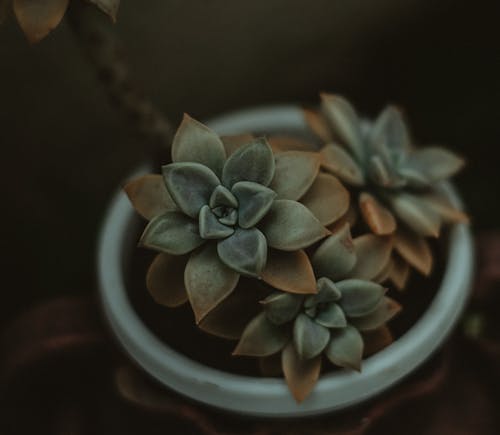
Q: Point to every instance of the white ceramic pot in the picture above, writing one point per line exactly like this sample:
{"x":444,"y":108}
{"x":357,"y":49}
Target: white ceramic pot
{"x":270,"y":396}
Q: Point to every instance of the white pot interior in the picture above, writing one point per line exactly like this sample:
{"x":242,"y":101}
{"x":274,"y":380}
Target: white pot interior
{"x":269,"y":396}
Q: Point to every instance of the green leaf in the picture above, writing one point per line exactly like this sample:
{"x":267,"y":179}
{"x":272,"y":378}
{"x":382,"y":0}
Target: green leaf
{"x":336,"y":256}
{"x":289,"y":226}
{"x":222,"y":196}
{"x":345,"y":123}
{"x":190,"y":185}
{"x":416,"y":214}
{"x":390,"y":130}
{"x":435,"y":163}
{"x":295,"y":172}
{"x":149,"y":196}
{"x":208,"y":281}
{"x":165,"y":280}
{"x":195,"y":142}
{"x":282,"y":307}
{"x":327,"y":292}
{"x":318,"y":124}
{"x":245,"y":251}
{"x":336,"y":160}
{"x":444,"y":207}
{"x":309,"y":337}
{"x":254,"y":200}
{"x":380,"y":220}
{"x":327,"y":199}
{"x":301,"y":375}
{"x":359,"y":297}
{"x":345,"y":348}
{"x":372,"y":253}
{"x":172,"y":233}
{"x":385,"y":311}
{"x":331,"y":317}
{"x":109,"y":7}
{"x":251,"y":162}
{"x":289,"y":271}
{"x":210,"y":227}
{"x":261,"y":337}
{"x":229,"y":219}
{"x":38,"y":17}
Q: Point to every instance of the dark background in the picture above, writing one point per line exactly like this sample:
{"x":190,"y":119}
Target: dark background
{"x":65,"y":149}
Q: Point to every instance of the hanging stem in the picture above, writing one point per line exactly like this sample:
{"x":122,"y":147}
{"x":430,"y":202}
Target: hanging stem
{"x":105,"y":51}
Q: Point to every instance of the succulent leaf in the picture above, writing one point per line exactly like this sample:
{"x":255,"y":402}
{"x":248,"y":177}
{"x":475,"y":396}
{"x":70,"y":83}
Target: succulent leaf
{"x":245,"y":251}
{"x":400,"y":272}
{"x":251,"y":162}
{"x":149,"y":196}
{"x":345,"y":123}
{"x":345,"y":348}
{"x":379,"y":171}
{"x":195,"y":142}
{"x":38,"y":17}
{"x":289,"y":226}
{"x":230,"y":219}
{"x":327,"y":198}
{"x":254,"y":199}
{"x":301,"y":375}
{"x":336,"y":160}
{"x":280,"y":143}
{"x":172,"y":233}
{"x":317,"y":124}
{"x":230,"y":317}
{"x":327,"y":292}
{"x":416,"y":214}
{"x":281,"y":307}
{"x":233,"y":142}
{"x":222,"y":196}
{"x":336,"y":256}
{"x":331,"y":317}
{"x":415,"y":250}
{"x":261,"y":337}
{"x":385,"y":311}
{"x":210,"y":227}
{"x":435,"y":163}
{"x":309,"y":337}
{"x":391,"y":130}
{"x":380,"y":220}
{"x":372,"y":253}
{"x":190,"y":185}
{"x":359,"y":297}
{"x":289,"y":271}
{"x":444,"y":208}
{"x":295,"y":172}
{"x":164,"y":282}
{"x":208,"y":280}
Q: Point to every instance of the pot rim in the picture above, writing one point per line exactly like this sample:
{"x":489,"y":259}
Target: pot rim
{"x":270,"y":397}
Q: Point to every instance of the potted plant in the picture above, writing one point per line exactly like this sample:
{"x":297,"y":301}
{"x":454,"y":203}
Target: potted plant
{"x":292,"y":233}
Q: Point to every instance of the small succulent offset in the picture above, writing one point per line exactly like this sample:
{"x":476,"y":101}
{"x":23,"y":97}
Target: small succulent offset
{"x":303,"y":328}
{"x":228,"y":208}
{"x":398,"y":184}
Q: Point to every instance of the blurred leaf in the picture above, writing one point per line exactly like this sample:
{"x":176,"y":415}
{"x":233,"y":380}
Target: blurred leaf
{"x":415,"y":250}
{"x":109,"y":7}
{"x":372,"y":252}
{"x":380,"y":220}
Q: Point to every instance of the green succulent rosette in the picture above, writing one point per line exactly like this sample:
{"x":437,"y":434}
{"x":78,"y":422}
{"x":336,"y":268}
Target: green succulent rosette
{"x":397,"y":183}
{"x":227,"y":208}
{"x":335,"y":322}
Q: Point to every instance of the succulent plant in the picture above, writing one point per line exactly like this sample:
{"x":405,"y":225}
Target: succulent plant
{"x":229,"y":207}
{"x":397,"y":184}
{"x":331,"y":322}
{"x":38,"y":17}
